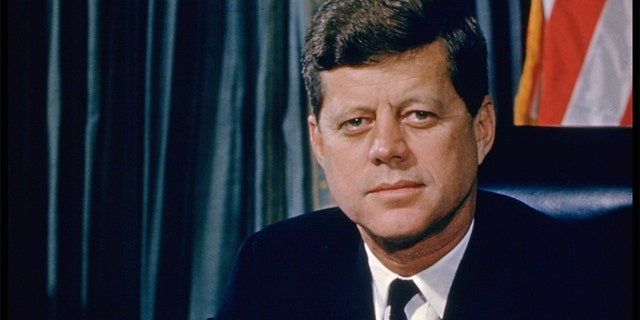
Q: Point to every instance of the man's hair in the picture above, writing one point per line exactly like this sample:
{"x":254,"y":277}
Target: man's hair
{"x":362,"y":32}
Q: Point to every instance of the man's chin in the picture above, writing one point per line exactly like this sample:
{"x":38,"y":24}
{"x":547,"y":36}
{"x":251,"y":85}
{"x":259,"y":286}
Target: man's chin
{"x":393,"y":244}
{"x":394,"y":241}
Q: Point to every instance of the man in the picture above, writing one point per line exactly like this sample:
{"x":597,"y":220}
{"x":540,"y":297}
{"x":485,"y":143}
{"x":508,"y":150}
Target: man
{"x":401,"y":121}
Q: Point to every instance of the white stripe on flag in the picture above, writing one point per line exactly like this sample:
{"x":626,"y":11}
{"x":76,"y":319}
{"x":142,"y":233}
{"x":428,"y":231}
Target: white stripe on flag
{"x":603,"y":87}
{"x":547,"y":7}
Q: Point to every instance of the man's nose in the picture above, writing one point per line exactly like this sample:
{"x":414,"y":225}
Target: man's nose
{"x":389,"y":144}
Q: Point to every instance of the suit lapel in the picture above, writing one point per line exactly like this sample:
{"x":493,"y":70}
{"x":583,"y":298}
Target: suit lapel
{"x":361,"y":291}
{"x":349,"y":278}
{"x":473,"y":288}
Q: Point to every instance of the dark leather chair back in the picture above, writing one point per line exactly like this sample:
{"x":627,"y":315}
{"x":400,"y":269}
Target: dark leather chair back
{"x":569,"y":173}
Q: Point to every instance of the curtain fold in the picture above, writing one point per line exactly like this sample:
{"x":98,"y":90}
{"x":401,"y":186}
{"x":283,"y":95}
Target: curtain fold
{"x":221,"y":159}
{"x":160,"y":42}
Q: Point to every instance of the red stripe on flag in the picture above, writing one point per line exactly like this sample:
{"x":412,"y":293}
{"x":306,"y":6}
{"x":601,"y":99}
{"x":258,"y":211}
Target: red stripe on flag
{"x":627,"y":118}
{"x":566,"y":41}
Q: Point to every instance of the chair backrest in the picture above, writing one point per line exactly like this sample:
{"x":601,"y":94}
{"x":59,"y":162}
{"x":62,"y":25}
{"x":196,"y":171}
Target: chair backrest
{"x":569,"y":173}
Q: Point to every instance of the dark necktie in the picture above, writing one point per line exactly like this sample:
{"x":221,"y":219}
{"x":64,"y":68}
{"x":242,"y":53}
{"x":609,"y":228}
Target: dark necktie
{"x":400,"y":292}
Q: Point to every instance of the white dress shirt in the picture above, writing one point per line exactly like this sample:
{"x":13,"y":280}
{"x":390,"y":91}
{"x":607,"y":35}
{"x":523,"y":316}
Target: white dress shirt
{"x":434,"y":284}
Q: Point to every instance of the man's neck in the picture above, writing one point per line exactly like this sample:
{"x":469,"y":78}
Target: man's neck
{"x":410,"y":260}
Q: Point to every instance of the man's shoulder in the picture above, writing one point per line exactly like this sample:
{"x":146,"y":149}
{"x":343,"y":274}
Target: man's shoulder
{"x":311,"y":221}
{"x":581,"y":259}
{"x":323,"y":227}
{"x":509,"y":220}
{"x":509,"y":210}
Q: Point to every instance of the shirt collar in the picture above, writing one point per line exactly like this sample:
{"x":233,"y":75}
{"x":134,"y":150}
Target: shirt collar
{"x":434,"y":282}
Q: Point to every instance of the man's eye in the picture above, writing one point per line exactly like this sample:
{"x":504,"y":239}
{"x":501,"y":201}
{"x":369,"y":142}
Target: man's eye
{"x":356,"y":122}
{"x":421,"y":115}
{"x":420,"y":118}
{"x":355,"y":125}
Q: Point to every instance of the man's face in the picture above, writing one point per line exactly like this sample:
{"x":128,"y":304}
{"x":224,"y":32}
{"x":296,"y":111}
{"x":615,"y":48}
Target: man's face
{"x":399,"y":149}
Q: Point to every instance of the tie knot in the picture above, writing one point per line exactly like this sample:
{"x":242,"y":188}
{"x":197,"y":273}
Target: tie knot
{"x":400,"y":292}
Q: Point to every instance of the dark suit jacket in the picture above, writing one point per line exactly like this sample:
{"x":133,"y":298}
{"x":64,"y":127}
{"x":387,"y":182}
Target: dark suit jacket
{"x":519,"y":264}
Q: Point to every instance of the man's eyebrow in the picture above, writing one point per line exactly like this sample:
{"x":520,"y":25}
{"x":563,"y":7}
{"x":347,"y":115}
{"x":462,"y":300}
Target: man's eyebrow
{"x":345,"y":109}
{"x":436,"y":104}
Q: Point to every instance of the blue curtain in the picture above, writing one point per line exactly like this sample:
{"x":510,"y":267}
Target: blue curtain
{"x":147,"y":139}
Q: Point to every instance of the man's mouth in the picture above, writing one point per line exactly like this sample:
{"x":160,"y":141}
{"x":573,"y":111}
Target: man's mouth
{"x":401,"y":186}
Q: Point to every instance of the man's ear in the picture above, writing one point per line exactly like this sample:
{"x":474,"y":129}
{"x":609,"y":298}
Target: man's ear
{"x":316,"y":139}
{"x":484,"y":125}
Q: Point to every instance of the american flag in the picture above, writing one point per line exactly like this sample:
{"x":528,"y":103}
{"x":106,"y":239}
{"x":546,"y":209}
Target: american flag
{"x":578,"y":64}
